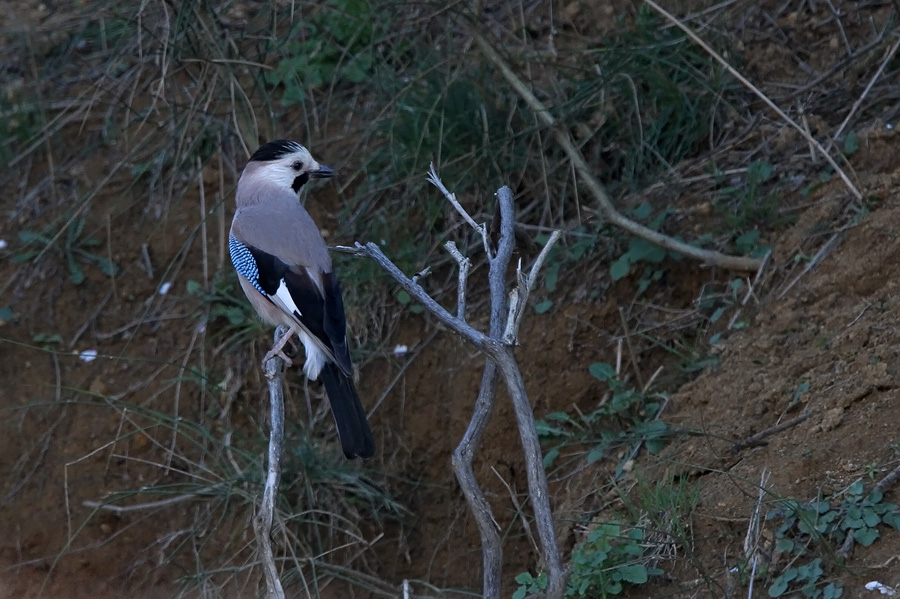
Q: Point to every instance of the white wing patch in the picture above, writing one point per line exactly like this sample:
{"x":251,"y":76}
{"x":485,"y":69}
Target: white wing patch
{"x":315,"y":356}
{"x":283,"y":299}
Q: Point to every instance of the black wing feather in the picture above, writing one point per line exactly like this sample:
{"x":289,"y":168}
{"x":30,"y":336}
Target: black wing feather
{"x":322,"y":316}
{"x":271,"y":270}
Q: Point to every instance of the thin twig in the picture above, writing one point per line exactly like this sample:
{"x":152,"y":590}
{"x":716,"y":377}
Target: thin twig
{"x":464,"y":265}
{"x":859,"y":100}
{"x":451,"y":197}
{"x":148,"y":505}
{"x":519,"y":297}
{"x":751,"y":540}
{"x":814,"y":261}
{"x":757,"y":439}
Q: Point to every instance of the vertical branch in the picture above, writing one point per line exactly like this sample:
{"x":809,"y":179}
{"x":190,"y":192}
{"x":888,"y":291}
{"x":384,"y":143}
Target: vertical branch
{"x":538,"y":490}
{"x":488,"y":530}
{"x":262,"y":522}
{"x":492,"y":553}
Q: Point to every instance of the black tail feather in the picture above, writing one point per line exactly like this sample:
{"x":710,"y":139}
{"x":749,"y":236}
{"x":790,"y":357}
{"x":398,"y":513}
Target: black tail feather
{"x":349,"y":415}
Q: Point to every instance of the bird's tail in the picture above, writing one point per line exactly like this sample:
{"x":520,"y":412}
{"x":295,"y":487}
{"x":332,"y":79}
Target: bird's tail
{"x":349,"y":415}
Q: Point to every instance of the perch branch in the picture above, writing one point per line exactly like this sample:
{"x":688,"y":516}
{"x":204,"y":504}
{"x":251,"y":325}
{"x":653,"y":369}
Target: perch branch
{"x":262,"y":522}
{"x":596,"y":188}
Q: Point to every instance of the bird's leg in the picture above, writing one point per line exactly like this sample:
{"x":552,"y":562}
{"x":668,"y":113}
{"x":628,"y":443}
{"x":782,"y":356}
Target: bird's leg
{"x":278,"y":349}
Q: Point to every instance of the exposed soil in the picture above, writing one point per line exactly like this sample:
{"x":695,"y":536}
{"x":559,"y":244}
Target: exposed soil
{"x":830,"y":327}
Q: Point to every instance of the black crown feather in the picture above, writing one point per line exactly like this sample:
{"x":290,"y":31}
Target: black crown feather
{"x":275,"y":150}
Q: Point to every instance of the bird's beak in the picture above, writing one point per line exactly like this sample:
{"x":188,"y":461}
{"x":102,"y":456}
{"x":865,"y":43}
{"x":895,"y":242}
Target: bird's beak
{"x":323,"y":172}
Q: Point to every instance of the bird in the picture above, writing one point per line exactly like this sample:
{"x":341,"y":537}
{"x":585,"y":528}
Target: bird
{"x":286,"y":273}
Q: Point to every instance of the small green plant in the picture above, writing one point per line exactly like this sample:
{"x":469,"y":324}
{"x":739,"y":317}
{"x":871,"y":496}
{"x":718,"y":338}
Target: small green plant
{"x":609,"y":558}
{"x":745,"y":205}
{"x":640,"y":251}
{"x":336,"y":44}
{"x":809,"y":527}
{"x":624,"y":416}
{"x":76,"y":249}
{"x":47,"y":340}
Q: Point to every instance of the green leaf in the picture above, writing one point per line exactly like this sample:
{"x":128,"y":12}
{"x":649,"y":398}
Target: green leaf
{"x":780,"y":585}
{"x":832,"y":591}
{"x":76,"y":274}
{"x":866,"y":536}
{"x":892,"y":519}
{"x":551,"y":277}
{"x":635,"y":574}
{"x":595,"y":454}
{"x":550,"y":457}
{"x":23,"y":257}
{"x":613,"y":588}
{"x":619,"y":269}
{"x":642,"y":211}
{"x":192,"y":286}
{"x":403,"y":297}
{"x":30,"y":237}
{"x":641,"y":249}
{"x":543,"y":307}
{"x":871,"y":518}
{"x":856,"y":488}
{"x":784,"y":545}
{"x":524,"y":578}
{"x":602,"y":371}
{"x":851,"y":143}
{"x":759,"y":171}
{"x":746,"y":242}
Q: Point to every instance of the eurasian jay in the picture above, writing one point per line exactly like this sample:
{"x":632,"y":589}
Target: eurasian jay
{"x":286,"y":272}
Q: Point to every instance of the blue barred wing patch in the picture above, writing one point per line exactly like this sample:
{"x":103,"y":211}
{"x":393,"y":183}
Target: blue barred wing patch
{"x":244,"y":262}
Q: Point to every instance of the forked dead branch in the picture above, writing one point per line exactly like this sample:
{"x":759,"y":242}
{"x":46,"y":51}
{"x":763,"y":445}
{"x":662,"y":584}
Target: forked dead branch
{"x":497,"y":344}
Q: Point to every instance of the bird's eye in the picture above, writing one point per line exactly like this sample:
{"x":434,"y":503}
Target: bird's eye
{"x":297,"y":166}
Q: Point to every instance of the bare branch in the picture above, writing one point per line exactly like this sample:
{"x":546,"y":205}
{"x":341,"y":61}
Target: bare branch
{"x":519,"y":296}
{"x":262,"y":522}
{"x":451,"y":197}
{"x":476,"y":338}
{"x":464,"y":265}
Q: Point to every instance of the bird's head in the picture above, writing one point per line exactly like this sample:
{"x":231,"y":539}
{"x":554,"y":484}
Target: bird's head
{"x":287,"y":164}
